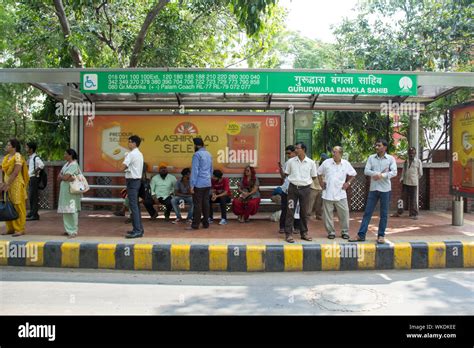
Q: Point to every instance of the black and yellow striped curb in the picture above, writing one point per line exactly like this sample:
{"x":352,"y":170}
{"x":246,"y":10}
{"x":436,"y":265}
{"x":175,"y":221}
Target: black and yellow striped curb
{"x":238,"y":258}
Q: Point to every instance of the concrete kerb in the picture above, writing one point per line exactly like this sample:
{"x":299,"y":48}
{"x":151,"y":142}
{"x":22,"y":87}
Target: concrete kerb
{"x":237,"y":258}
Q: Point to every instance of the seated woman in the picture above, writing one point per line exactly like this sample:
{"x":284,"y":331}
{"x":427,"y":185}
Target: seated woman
{"x":249,"y":196}
{"x":220,"y":193}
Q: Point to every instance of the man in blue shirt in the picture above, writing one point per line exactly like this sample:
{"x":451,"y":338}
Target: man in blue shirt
{"x":201,"y":173}
{"x":381,"y":167}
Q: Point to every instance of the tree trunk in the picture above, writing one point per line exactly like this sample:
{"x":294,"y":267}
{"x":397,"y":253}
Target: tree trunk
{"x":137,"y":49}
{"x":75,"y":53}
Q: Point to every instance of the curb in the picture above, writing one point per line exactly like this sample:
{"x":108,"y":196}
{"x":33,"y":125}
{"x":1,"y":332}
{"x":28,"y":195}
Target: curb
{"x":238,"y":258}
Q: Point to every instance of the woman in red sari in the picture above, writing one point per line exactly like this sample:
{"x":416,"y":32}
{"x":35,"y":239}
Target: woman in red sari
{"x":248,"y":201}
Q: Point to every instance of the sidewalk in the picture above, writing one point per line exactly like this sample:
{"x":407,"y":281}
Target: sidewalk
{"x":430,"y":242}
{"x":103,"y":226}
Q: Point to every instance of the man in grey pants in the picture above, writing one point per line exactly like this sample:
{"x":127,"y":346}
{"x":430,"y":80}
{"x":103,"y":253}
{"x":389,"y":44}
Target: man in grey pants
{"x":338,"y":176}
{"x":301,"y":171}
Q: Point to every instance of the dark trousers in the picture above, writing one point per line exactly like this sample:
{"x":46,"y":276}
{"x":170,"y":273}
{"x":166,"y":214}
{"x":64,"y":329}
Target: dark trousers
{"x":284,"y":206}
{"x":222,"y":201}
{"x":167,"y":203}
{"x":133,"y":186}
{"x":33,"y":197}
{"x":201,"y":206}
{"x":295,"y":195}
{"x":409,"y":193}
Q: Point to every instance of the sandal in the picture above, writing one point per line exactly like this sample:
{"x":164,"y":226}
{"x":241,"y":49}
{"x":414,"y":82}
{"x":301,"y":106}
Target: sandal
{"x":289,"y":238}
{"x":345,"y":236}
{"x":306,"y":237}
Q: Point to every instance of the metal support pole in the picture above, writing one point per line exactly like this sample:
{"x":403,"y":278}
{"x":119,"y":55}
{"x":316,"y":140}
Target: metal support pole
{"x":289,"y":118}
{"x":458,"y":211}
{"x":413,"y":141}
{"x":73,"y":122}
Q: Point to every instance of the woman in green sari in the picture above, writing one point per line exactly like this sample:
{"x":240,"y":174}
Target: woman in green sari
{"x":69,"y":204}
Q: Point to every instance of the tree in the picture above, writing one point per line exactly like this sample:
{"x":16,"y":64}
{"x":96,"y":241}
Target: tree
{"x":127,"y":33}
{"x":411,"y":35}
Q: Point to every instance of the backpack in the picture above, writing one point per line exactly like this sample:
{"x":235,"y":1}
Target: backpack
{"x":42,"y":176}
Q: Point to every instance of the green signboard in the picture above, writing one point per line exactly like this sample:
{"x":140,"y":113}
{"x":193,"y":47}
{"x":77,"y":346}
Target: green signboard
{"x":257,"y":82}
{"x":305,"y":136}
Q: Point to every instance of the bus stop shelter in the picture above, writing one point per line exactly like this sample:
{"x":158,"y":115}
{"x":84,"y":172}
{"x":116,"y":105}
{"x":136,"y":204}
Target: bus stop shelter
{"x":190,"y":90}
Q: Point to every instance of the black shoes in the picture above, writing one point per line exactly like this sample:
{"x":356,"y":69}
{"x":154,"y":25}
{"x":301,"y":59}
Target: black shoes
{"x":132,"y":234}
{"x":32,"y":218}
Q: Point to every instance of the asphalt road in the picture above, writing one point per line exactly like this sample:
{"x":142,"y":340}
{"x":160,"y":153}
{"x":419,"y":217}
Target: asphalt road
{"x":47,"y":291}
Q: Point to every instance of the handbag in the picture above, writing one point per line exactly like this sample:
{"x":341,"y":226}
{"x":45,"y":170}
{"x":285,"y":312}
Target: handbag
{"x":7,"y":210}
{"x":79,"y":185}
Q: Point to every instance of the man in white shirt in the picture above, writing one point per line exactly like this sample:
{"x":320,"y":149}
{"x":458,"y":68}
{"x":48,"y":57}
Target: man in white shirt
{"x":133,"y":168}
{"x":301,"y":171}
{"x":338,"y":176}
{"x":35,"y":164}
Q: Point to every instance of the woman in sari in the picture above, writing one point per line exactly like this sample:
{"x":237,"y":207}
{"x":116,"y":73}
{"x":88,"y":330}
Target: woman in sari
{"x":249,"y":196}
{"x":69,"y":204}
{"x":16,"y":180}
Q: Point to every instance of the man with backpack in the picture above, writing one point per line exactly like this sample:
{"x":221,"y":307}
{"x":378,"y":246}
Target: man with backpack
{"x":37,"y":174}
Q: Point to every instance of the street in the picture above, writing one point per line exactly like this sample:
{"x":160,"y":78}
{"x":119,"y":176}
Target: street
{"x":51,"y":291}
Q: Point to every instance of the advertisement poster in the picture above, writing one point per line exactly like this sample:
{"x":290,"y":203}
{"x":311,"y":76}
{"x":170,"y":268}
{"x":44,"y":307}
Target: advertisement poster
{"x":234,"y":141}
{"x":462,"y":145}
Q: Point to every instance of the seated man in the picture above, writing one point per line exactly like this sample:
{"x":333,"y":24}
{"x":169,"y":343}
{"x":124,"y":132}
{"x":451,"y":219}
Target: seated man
{"x":182,"y":195}
{"x":162,"y":188}
{"x":220,"y":193}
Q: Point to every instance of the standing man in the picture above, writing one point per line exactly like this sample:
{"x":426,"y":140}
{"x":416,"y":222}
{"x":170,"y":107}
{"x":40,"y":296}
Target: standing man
{"x":338,"y":176}
{"x":381,"y":167}
{"x":301,"y":172}
{"x":133,"y":168}
{"x":35,"y":164}
{"x":412,"y":172}
{"x":201,"y":173}
{"x":162,"y":188}
{"x":290,"y":153}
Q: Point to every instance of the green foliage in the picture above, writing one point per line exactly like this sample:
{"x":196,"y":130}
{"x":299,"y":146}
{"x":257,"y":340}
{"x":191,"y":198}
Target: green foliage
{"x":344,"y":129}
{"x":185,"y":33}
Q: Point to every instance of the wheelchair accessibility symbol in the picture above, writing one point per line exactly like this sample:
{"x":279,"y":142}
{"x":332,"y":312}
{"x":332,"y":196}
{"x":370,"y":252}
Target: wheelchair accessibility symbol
{"x":90,"y":82}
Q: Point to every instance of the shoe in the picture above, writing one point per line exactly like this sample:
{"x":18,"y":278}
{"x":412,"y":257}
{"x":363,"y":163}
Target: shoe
{"x":289,"y":238}
{"x":296,"y":231}
{"x":223,"y":222}
{"x":70,"y":236}
{"x":357,"y":239}
{"x":281,"y":230}
{"x":134,"y":235}
{"x":306,"y":237}
{"x":178,"y":220}
{"x":331,"y":236}
{"x":380,"y":240}
{"x":33,"y":218}
{"x":154,"y":216}
{"x":345,"y":236}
